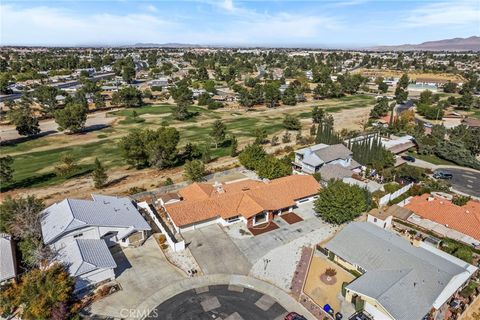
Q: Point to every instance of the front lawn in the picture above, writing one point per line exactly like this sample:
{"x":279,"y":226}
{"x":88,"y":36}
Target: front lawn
{"x":433,"y":159}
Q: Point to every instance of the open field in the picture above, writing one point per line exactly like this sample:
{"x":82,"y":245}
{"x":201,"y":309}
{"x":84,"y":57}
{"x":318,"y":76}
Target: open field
{"x":413,"y":75}
{"x":35,"y":160}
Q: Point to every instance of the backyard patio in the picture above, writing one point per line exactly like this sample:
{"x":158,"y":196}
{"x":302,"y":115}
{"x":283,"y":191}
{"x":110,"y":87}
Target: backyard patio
{"x":324,"y":284}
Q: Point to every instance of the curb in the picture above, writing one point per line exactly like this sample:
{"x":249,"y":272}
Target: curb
{"x":284,"y":299}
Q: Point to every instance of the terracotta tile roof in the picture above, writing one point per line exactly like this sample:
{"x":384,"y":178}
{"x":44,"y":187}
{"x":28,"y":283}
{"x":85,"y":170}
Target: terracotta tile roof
{"x":465,"y":219}
{"x":196,"y":191}
{"x":203,"y":202}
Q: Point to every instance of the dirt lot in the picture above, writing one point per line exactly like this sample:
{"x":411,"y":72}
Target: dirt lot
{"x":413,"y":75}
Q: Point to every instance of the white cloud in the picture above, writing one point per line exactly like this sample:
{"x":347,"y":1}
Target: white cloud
{"x":227,"y":5}
{"x":451,"y":13}
{"x":53,"y":26}
{"x":44,"y":25}
{"x":151,"y":8}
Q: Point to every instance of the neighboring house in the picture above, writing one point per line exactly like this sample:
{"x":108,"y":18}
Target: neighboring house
{"x":422,"y":87}
{"x":251,"y":201}
{"x":81,"y":231}
{"x":471,"y":122}
{"x":197,"y":92}
{"x":399,"y":280}
{"x":398,"y":145}
{"x":370,"y":185}
{"x":225,"y":94}
{"x":8,"y":262}
{"x":160,"y":82}
{"x":311,"y":159}
{"x":441,"y":216}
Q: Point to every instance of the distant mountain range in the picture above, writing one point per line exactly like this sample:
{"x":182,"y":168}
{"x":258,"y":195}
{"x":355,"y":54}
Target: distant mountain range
{"x":455,"y":44}
{"x":165,"y":45}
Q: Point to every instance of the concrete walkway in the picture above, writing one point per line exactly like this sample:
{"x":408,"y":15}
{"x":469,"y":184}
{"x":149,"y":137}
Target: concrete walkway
{"x":285,"y":300}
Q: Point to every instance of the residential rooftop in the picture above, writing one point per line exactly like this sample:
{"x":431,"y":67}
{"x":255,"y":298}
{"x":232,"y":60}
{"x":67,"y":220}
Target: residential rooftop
{"x":202,"y":201}
{"x":465,"y":219}
{"x":71,"y":214}
{"x":406,"y":280}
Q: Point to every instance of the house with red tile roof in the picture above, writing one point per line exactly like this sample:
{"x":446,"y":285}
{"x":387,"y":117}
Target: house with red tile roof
{"x":442,"y":216}
{"x":251,"y":201}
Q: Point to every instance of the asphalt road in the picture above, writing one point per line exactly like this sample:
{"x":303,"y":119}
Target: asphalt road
{"x":219,"y":302}
{"x":465,"y":181}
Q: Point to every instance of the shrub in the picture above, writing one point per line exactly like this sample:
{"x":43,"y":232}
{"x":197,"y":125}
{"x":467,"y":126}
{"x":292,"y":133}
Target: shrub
{"x":331,"y":272}
{"x":168,"y":182}
{"x":135,"y":190}
{"x":460,"y":200}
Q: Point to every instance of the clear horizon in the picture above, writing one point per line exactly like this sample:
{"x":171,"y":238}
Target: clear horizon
{"x":316,"y":24}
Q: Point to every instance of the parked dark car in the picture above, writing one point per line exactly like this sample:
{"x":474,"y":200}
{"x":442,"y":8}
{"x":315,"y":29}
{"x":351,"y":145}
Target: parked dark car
{"x":294,"y":316}
{"x":443,"y":175}
{"x":408,"y":158}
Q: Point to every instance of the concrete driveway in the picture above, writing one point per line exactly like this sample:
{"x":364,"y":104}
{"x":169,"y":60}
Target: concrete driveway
{"x":256,"y":247}
{"x":141,"y":272}
{"x":215,"y":252}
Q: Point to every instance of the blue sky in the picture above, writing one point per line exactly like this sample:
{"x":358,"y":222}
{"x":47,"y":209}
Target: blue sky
{"x":229,"y":22}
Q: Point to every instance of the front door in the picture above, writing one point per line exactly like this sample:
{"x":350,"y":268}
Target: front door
{"x":110,"y":238}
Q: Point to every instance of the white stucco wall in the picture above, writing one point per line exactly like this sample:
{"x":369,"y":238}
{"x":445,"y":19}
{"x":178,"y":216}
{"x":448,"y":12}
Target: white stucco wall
{"x":376,"y":314}
{"x":94,"y":277}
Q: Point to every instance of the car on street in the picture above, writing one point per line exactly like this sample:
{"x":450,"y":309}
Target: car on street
{"x":443,"y":175}
{"x":294,"y":316}
{"x":408,"y":158}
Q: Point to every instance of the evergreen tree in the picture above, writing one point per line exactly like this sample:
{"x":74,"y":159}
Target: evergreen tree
{"x":99,"y":174}
{"x":317,"y":114}
{"x":289,"y":96}
{"x":233,"y":146}
{"x":194,"y":170}
{"x":23,"y":118}
{"x":6,"y":170}
{"x":218,"y":132}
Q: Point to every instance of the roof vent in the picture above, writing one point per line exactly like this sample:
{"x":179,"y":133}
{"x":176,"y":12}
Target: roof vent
{"x":431,"y":198}
{"x":218,"y":187}
{"x":466,"y":211}
{"x":245,"y":188}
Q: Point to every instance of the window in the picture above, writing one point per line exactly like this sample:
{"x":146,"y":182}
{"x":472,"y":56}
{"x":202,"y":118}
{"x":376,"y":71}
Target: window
{"x":374,"y":219}
{"x":260,"y":218}
{"x":232,"y":219}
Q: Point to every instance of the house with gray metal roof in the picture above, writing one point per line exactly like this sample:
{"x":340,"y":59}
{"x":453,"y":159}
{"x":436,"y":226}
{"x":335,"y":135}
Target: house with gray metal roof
{"x":399,"y":280}
{"x":89,"y":260}
{"x":81,"y":231}
{"x":8,"y":263}
{"x":311,"y":159}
